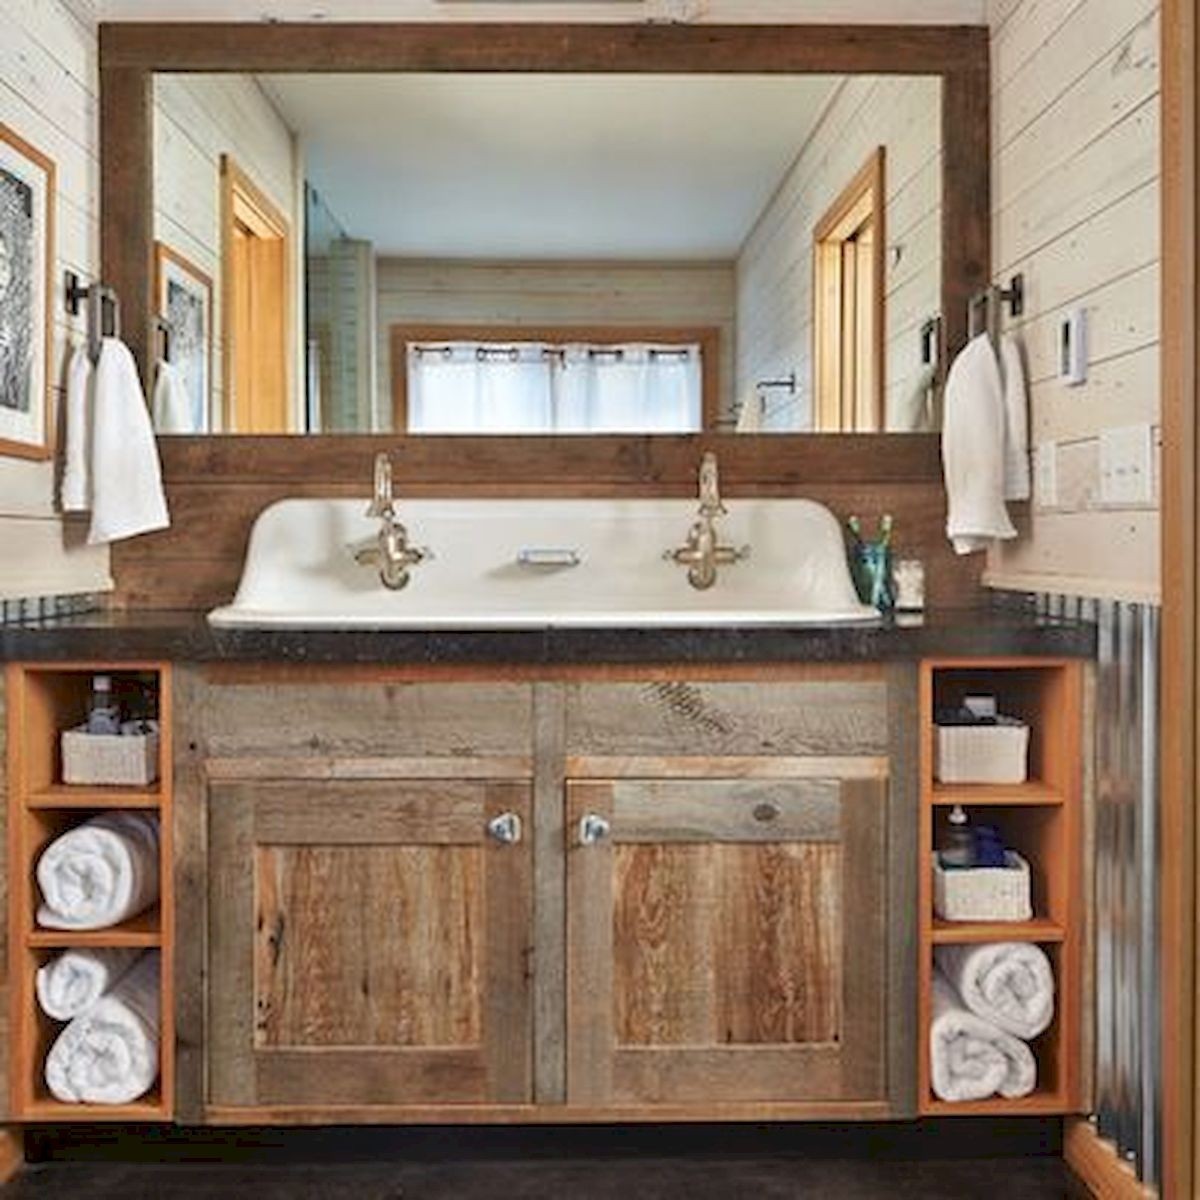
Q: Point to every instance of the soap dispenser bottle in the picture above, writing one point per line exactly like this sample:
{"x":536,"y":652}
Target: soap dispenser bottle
{"x":959,"y":850}
{"x":104,"y":717}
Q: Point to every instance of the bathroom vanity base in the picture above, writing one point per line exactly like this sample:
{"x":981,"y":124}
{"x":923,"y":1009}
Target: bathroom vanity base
{"x":553,"y":894}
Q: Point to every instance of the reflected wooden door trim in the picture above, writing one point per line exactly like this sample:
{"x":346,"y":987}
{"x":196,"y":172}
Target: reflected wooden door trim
{"x":861,"y":204}
{"x":708,"y":337}
{"x":244,"y":201}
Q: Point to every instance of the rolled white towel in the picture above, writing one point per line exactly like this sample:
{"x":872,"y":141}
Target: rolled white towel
{"x":76,"y":979}
{"x":970,"y":1059}
{"x":99,"y":873}
{"x":109,"y":1054}
{"x":1010,"y":984}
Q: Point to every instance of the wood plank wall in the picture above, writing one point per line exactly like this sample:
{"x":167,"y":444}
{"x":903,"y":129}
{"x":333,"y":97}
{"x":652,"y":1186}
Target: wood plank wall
{"x":48,"y":95}
{"x":197,"y":119}
{"x":217,"y":486}
{"x":775,"y":268}
{"x":1075,"y":195}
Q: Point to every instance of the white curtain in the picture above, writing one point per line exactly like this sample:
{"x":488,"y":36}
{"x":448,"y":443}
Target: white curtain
{"x":538,"y":388}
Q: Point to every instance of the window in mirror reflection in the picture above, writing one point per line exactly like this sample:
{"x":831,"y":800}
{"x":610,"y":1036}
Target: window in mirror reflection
{"x":518,"y":383}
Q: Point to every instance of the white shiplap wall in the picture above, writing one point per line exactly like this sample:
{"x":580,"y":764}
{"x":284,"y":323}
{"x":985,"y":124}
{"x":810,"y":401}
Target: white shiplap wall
{"x":953,"y":12}
{"x":775,"y":270}
{"x":436,"y":293}
{"x":197,"y":119}
{"x":48,"y":90}
{"x":1076,"y":208}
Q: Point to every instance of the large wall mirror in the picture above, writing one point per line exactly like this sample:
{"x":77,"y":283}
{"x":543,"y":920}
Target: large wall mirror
{"x":498,"y":253}
{"x":413,"y":230}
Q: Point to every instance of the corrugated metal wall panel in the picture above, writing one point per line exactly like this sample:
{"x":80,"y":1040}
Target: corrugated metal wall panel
{"x":1128,"y":1035}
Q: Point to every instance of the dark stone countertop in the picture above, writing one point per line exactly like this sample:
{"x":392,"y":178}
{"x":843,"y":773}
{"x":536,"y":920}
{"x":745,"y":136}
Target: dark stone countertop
{"x":155,"y":635}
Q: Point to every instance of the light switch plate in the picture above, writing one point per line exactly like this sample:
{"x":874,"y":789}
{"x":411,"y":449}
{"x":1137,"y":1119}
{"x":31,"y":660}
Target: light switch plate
{"x":1127,"y":465}
{"x":1045,"y":475}
{"x":1073,"y":348}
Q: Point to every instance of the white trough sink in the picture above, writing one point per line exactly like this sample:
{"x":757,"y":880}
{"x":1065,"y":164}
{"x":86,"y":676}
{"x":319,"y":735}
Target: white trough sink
{"x":301,"y":573}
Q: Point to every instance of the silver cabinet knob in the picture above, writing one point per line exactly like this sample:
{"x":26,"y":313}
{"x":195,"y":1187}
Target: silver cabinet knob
{"x":592,"y":829}
{"x":506,"y":828}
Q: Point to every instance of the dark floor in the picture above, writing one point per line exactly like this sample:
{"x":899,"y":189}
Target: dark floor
{"x":1015,"y":1159}
{"x":577,"y":1179}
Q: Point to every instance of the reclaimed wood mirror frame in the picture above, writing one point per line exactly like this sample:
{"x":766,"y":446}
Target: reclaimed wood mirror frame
{"x":131,"y":54}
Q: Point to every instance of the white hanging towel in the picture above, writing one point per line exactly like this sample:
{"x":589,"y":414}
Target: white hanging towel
{"x":974,"y":449}
{"x":127,"y":491}
{"x":913,"y":411}
{"x":750,"y":416}
{"x":171,"y":405}
{"x":76,"y":480}
{"x":1016,"y":420}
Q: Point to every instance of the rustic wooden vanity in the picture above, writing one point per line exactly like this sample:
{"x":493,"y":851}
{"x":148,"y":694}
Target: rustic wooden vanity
{"x":550,"y":877}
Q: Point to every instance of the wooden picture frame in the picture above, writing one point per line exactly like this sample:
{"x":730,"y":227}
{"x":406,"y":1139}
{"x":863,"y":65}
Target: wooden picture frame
{"x":182,"y":286}
{"x":27,"y":204}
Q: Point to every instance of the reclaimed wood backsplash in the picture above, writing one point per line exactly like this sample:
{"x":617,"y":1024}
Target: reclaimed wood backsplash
{"x":217,"y":486}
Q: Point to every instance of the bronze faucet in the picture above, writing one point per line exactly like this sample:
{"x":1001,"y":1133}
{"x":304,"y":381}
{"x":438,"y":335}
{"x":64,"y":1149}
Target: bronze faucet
{"x":702,"y":553}
{"x":391,"y":552}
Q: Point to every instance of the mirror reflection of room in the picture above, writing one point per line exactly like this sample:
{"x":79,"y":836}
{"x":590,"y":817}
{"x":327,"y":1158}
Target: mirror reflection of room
{"x":582,"y":254}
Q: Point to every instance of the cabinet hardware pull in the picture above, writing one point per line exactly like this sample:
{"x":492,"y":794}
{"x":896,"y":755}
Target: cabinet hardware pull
{"x":506,"y":828}
{"x":592,"y":829}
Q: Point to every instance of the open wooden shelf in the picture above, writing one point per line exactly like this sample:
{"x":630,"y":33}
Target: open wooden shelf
{"x":1043,"y":1103}
{"x":151,"y":1107}
{"x":65,"y":795}
{"x":959,"y":933}
{"x":1041,"y":820}
{"x":973,"y":795}
{"x":42,"y":701}
{"x":143,"y":930}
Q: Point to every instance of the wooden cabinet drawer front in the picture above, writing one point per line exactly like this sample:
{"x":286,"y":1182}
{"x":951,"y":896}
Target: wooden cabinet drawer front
{"x":368,"y":944}
{"x":339,"y":720}
{"x":671,"y":718}
{"x":726,"y":941}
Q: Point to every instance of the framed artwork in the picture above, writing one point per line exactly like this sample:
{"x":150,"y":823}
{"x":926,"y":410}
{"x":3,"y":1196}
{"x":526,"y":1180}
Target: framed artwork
{"x":185,"y":302}
{"x":27,"y":198}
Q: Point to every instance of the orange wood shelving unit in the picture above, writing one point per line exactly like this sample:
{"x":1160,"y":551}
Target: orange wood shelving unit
{"x":44,"y":700}
{"x":1042,"y":820}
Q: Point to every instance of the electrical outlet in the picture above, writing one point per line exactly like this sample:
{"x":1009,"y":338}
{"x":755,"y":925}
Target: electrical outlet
{"x":1045,"y":475}
{"x":1127,"y":465}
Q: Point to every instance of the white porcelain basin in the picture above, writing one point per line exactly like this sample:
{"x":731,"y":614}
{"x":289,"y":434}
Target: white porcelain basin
{"x":300,"y":570}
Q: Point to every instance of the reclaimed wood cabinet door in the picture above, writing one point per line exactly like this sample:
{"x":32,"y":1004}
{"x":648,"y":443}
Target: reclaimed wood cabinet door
{"x":369,"y":943}
{"x":726,"y":941}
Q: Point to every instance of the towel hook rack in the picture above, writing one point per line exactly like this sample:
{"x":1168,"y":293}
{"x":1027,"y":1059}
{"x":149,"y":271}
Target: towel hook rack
{"x":163,"y":328}
{"x":787,"y":384}
{"x":989,"y":300}
{"x":101,"y":300}
{"x":931,"y":342}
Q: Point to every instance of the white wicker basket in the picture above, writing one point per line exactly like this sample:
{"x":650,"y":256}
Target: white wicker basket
{"x":983,"y":893}
{"x":983,"y":753}
{"x":90,"y":758}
